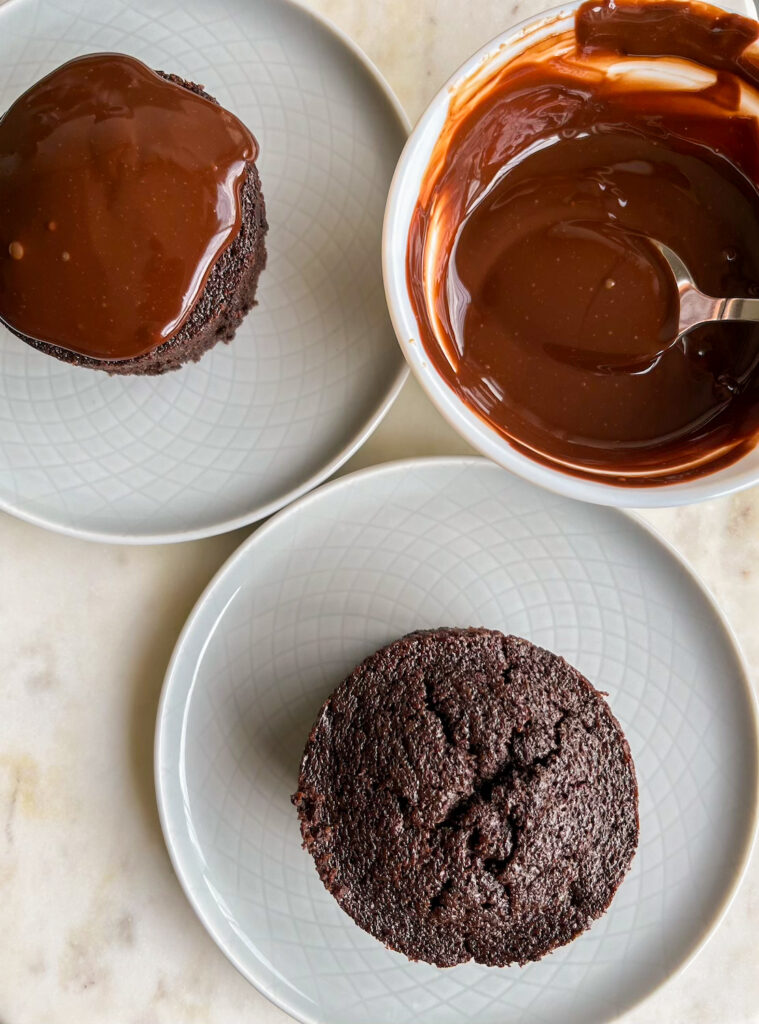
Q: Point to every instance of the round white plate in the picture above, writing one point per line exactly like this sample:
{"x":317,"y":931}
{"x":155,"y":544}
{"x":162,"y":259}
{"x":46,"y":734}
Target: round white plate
{"x":314,"y":366}
{"x":458,"y":542}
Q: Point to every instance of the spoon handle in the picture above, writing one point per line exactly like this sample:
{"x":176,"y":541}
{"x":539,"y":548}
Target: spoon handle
{"x":740,"y":309}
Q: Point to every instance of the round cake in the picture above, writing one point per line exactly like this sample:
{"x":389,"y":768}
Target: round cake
{"x":468,"y":795}
{"x":132,"y":222}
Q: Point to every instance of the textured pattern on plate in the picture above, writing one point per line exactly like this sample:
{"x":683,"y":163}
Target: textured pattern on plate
{"x":424,"y":544}
{"x":312,"y":368}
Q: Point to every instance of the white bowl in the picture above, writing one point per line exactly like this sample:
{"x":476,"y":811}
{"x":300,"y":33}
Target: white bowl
{"x":402,"y":198}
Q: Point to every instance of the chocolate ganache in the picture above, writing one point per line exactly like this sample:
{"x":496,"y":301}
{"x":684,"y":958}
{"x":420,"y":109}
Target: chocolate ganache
{"x":119,"y":190}
{"x":538,"y":297}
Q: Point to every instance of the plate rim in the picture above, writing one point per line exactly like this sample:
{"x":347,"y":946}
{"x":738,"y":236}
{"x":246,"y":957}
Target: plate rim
{"x":407,"y":465}
{"x":379,"y":409}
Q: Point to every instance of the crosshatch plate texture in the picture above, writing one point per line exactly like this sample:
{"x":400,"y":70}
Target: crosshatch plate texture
{"x":457,"y":542}
{"x":313,"y":367}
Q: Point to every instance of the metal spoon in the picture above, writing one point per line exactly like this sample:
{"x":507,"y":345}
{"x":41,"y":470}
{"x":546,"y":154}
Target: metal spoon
{"x":697,"y":308}
{"x":693,"y":309}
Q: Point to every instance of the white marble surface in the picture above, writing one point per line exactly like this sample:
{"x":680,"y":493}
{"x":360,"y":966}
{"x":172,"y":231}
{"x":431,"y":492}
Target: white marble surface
{"x":93,"y":925}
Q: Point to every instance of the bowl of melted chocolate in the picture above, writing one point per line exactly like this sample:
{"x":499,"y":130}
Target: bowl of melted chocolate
{"x":523,"y":285}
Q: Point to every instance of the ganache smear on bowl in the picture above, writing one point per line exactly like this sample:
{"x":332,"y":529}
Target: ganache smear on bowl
{"x":538,"y":299}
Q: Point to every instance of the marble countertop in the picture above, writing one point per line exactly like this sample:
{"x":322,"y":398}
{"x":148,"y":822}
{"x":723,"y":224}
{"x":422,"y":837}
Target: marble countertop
{"x":93,"y":925}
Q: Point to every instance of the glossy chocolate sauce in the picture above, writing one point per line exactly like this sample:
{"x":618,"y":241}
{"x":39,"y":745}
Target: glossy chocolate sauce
{"x":539,"y":299}
{"x":118,"y":192}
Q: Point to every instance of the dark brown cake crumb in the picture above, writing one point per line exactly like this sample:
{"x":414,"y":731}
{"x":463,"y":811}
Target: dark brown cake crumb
{"x":467,"y":795}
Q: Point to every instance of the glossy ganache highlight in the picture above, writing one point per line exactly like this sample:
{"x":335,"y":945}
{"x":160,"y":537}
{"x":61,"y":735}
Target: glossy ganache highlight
{"x":538,"y":297}
{"x":119,"y":190}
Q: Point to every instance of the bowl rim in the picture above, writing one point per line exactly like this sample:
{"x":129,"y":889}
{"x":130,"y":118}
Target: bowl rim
{"x":408,"y":176}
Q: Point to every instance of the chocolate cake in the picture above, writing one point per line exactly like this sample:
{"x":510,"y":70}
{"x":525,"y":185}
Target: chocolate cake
{"x":467,"y":795}
{"x":204,"y":192}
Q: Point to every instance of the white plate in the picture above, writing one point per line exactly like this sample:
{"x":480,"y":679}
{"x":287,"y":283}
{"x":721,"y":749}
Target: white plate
{"x":449,"y":542}
{"x":314,"y":366}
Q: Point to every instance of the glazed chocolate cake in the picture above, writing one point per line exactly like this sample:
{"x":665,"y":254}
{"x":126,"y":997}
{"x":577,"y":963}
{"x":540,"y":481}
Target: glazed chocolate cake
{"x":467,"y":795}
{"x":124,"y":333}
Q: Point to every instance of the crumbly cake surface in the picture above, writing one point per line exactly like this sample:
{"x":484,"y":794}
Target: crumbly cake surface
{"x":468,"y":795}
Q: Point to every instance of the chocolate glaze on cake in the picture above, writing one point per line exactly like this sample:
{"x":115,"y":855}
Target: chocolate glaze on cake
{"x":134,"y":217}
{"x":467,"y":795}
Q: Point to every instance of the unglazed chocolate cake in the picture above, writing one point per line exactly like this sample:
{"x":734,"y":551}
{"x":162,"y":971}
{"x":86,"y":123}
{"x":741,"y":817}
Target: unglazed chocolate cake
{"x":132,"y":221}
{"x":467,"y":795}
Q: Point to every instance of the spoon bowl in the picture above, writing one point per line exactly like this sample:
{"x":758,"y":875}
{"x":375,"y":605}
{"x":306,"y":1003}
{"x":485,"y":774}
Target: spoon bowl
{"x":693,"y":309}
{"x":696,"y":308}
